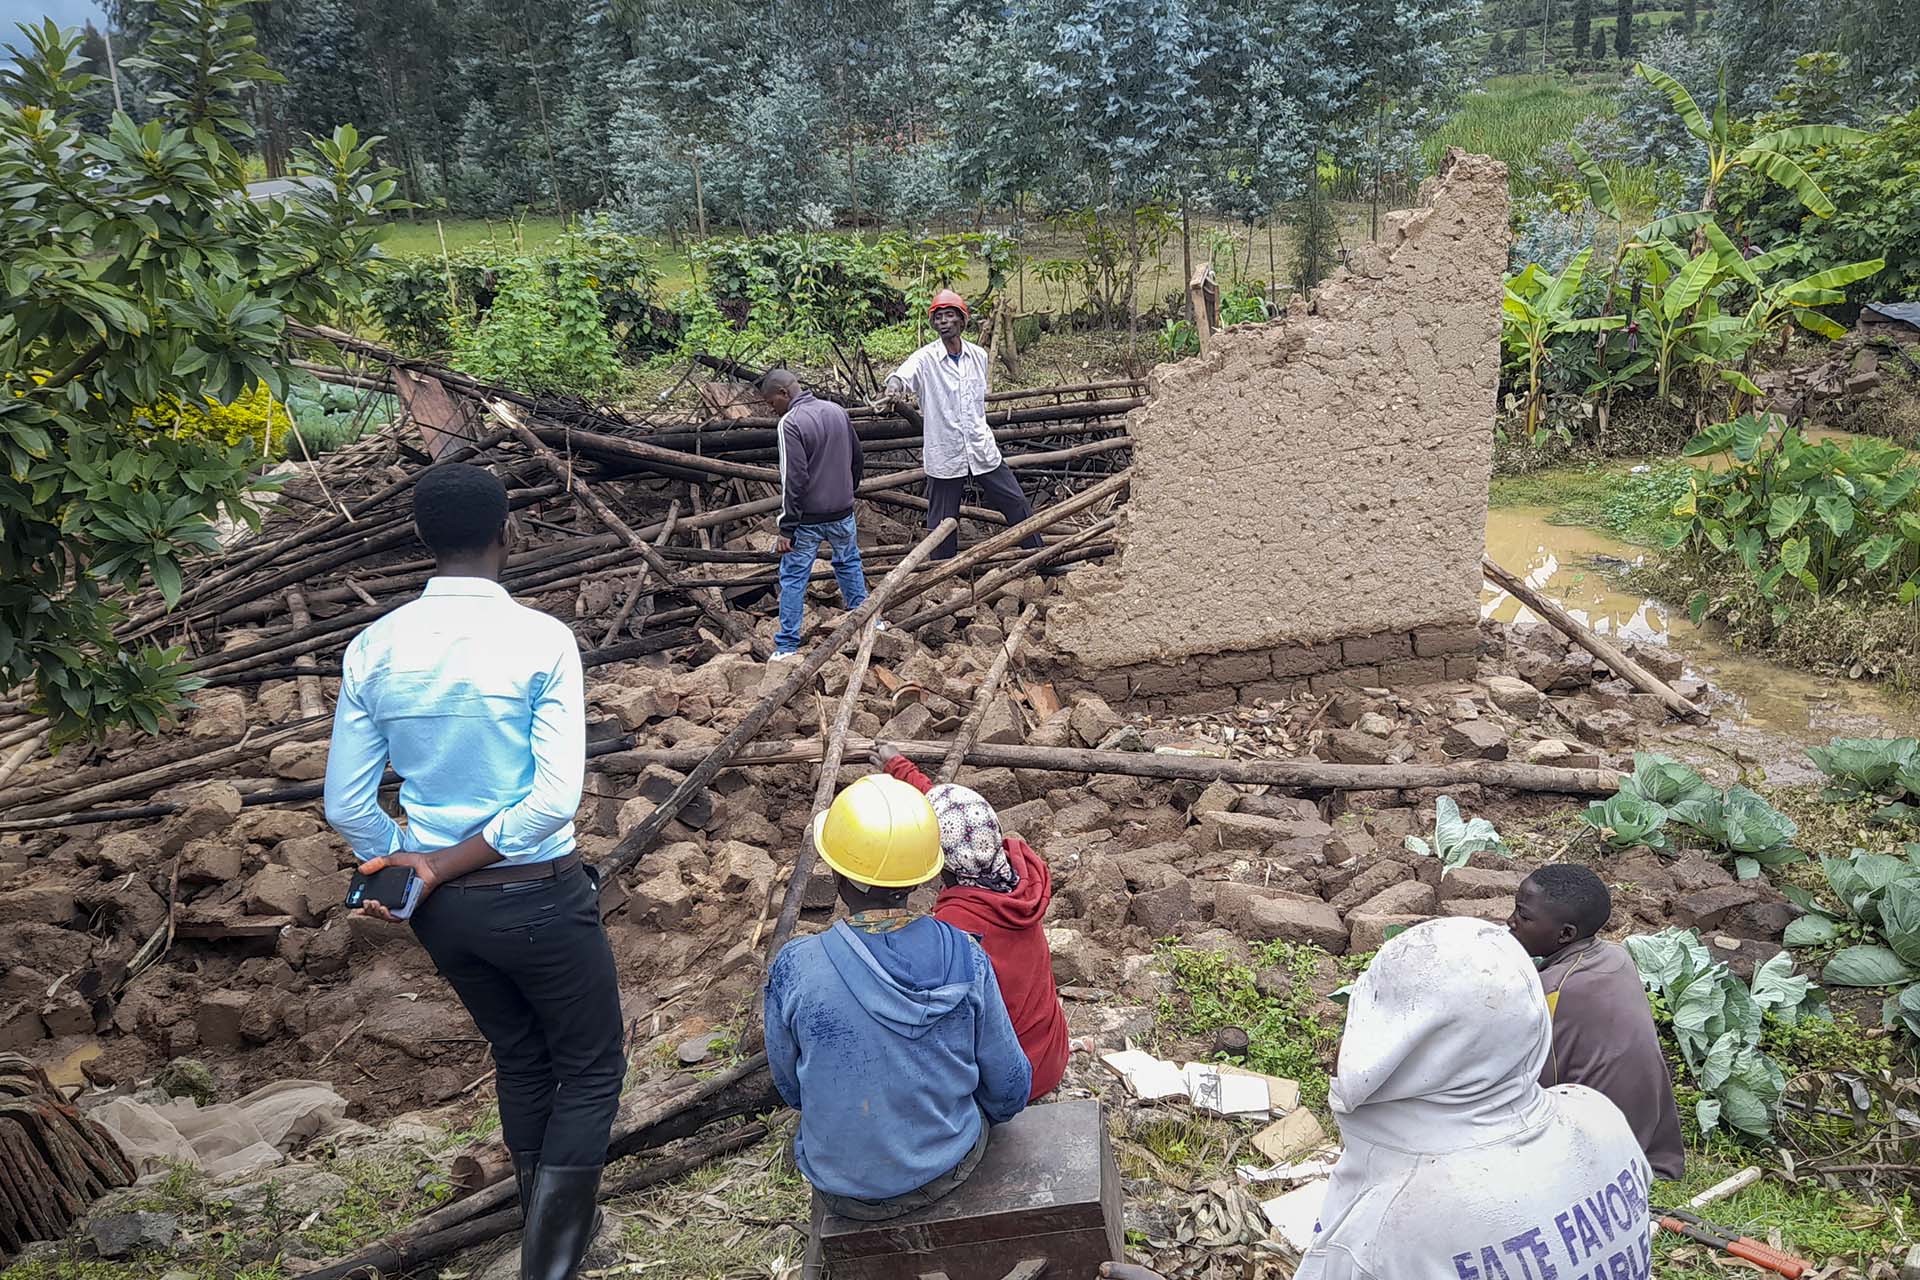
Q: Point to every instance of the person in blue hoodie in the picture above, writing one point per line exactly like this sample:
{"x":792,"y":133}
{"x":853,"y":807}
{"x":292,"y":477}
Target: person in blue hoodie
{"x":887,"y":1033}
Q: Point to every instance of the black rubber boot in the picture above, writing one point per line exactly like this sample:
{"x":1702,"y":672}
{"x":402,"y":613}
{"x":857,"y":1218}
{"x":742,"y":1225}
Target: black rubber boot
{"x":525,"y":1166}
{"x":561,"y":1218}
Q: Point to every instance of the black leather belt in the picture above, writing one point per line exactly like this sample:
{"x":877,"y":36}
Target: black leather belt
{"x":500,"y":874}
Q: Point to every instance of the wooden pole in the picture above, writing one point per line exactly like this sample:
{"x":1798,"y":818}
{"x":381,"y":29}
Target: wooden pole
{"x":988,"y":586}
{"x":1039,"y":522}
{"x":1302,"y":775}
{"x":641,"y":838}
{"x":989,"y":687}
{"x":823,"y":790}
{"x":640,"y":580}
{"x":1599,"y":646}
{"x":709,"y":601}
{"x":312,"y":703}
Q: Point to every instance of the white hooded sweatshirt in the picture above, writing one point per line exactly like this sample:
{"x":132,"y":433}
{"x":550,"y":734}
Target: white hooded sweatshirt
{"x":1458,"y":1165}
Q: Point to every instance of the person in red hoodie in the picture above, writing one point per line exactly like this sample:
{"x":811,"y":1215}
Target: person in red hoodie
{"x":997,"y":890}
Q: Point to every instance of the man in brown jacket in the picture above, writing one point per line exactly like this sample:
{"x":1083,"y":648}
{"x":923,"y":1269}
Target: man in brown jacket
{"x":1603,"y":1035}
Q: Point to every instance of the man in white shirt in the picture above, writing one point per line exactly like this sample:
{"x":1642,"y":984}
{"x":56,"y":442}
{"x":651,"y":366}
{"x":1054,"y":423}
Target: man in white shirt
{"x":948,"y":377}
{"x":478,"y":703}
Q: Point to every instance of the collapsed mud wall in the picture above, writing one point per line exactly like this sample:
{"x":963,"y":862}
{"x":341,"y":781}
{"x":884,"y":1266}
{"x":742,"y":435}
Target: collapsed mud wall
{"x":1321,"y":478}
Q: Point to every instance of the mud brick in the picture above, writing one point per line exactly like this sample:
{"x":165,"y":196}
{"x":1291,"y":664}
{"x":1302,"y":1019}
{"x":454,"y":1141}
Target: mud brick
{"x":1349,"y":678}
{"x":1236,"y":668}
{"x":1202,"y":701}
{"x":1359,"y":651}
{"x":1305,"y":661}
{"x":1159,"y":681}
{"x":1112,"y":685}
{"x":1273,"y":690}
{"x":1434,"y":642}
{"x":1408,"y":671}
{"x":1462,"y":666}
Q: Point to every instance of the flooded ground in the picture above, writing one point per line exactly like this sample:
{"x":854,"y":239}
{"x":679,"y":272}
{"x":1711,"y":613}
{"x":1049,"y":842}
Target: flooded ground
{"x":1770,"y":709}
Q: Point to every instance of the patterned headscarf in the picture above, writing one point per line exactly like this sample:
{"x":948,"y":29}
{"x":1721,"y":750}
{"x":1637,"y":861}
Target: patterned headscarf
{"x":970,"y":839}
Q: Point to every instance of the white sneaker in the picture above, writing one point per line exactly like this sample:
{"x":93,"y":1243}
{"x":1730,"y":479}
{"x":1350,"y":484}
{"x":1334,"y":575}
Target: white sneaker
{"x":784,"y":657}
{"x":883,"y":625}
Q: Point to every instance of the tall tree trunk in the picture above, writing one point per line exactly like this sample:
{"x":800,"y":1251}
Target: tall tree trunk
{"x":853,"y":176}
{"x":699,"y":193}
{"x":1186,"y":257}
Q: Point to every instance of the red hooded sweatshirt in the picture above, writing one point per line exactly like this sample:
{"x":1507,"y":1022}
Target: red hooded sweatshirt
{"x":1009,"y":928}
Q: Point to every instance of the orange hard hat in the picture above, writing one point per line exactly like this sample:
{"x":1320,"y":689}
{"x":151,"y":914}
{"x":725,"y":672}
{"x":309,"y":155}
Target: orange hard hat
{"x":947,"y":298}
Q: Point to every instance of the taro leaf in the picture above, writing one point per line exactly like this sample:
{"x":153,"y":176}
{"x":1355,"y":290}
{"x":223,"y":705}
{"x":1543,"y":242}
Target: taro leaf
{"x":1625,"y":820}
{"x":1866,"y":764}
{"x":1664,"y":780}
{"x":1836,"y":513}
{"x":1867,"y":966}
{"x":1777,"y":988}
{"x":1811,"y":931}
{"x":1900,"y":918}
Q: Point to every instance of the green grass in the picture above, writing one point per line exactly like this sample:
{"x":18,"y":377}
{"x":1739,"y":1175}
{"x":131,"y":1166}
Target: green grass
{"x":737,"y":1217}
{"x":406,"y":239}
{"x":1512,"y":118}
{"x":1212,"y":991}
{"x":1820,"y":1225}
{"x":1632,"y":506}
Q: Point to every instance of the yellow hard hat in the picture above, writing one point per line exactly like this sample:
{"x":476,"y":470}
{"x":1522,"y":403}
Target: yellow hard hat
{"x":880,"y":832}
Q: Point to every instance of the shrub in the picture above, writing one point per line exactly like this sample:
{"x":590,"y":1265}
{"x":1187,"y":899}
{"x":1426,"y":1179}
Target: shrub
{"x":545,"y":334}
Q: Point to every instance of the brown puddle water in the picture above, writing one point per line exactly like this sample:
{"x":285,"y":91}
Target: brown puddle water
{"x":1570,"y":565}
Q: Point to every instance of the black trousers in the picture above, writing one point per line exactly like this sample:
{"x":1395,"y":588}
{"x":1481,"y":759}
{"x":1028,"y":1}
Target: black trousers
{"x":998,"y":487}
{"x":531,"y":963}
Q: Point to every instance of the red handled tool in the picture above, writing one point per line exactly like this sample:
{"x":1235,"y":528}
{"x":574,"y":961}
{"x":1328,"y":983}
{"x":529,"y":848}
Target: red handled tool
{"x":1682,"y":1223}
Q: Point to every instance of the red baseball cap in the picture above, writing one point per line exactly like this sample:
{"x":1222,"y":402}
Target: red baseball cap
{"x":948,"y":298}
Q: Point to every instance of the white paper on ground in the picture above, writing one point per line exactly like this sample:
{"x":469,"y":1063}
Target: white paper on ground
{"x":1293,"y":1215}
{"x":1146,"y":1075}
{"x":1230,"y":1095}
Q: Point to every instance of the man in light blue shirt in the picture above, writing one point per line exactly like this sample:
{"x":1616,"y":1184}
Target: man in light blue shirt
{"x":477,"y":702}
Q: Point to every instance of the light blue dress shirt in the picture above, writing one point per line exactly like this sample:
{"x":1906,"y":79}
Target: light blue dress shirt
{"x":478,"y":702}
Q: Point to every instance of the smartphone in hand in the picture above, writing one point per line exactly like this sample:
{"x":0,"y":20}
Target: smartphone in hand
{"x":395,"y":888}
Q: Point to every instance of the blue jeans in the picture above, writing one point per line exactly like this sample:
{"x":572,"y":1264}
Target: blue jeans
{"x":796,"y":568}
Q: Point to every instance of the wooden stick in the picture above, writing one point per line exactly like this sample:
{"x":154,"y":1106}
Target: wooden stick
{"x":709,"y":601}
{"x":990,"y":585}
{"x":148,"y":781}
{"x":312,"y":703}
{"x":27,"y":750}
{"x":1040,"y":521}
{"x":823,"y":789}
{"x":1304,"y":775}
{"x":640,"y":579}
{"x":989,"y":687}
{"x":1597,"y":645}
{"x":641,"y":838}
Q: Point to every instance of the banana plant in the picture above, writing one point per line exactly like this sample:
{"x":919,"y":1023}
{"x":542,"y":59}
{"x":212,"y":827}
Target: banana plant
{"x":1539,"y":307}
{"x":1765,"y":155}
{"x":1671,"y":307}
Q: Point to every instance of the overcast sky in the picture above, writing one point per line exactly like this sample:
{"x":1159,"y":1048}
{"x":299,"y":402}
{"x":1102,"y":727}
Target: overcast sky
{"x":68,"y":13}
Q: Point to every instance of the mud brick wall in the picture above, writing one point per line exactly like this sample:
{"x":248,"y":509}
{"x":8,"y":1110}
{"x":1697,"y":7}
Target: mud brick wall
{"x":1316,"y":484}
{"x":1215,"y":682}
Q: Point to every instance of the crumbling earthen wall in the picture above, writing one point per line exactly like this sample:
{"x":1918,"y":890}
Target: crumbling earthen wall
{"x":1318,"y":482}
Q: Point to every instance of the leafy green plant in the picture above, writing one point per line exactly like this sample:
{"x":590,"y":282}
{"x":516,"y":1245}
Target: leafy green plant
{"x":1537,"y":308}
{"x":543,"y":334}
{"x":1740,"y":824}
{"x":1637,"y":814}
{"x":1804,"y":518}
{"x":1456,"y":840}
{"x":1859,"y":767}
{"x":1178,"y":339}
{"x":1719,"y":1023}
{"x":1625,"y":821}
{"x":1878,"y":920}
{"x":137,"y":268}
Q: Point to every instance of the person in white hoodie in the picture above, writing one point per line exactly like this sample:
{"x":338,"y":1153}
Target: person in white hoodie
{"x":1458,"y":1165}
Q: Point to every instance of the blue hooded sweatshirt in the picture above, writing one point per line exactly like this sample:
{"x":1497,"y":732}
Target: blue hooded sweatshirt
{"x":891,"y":1046}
